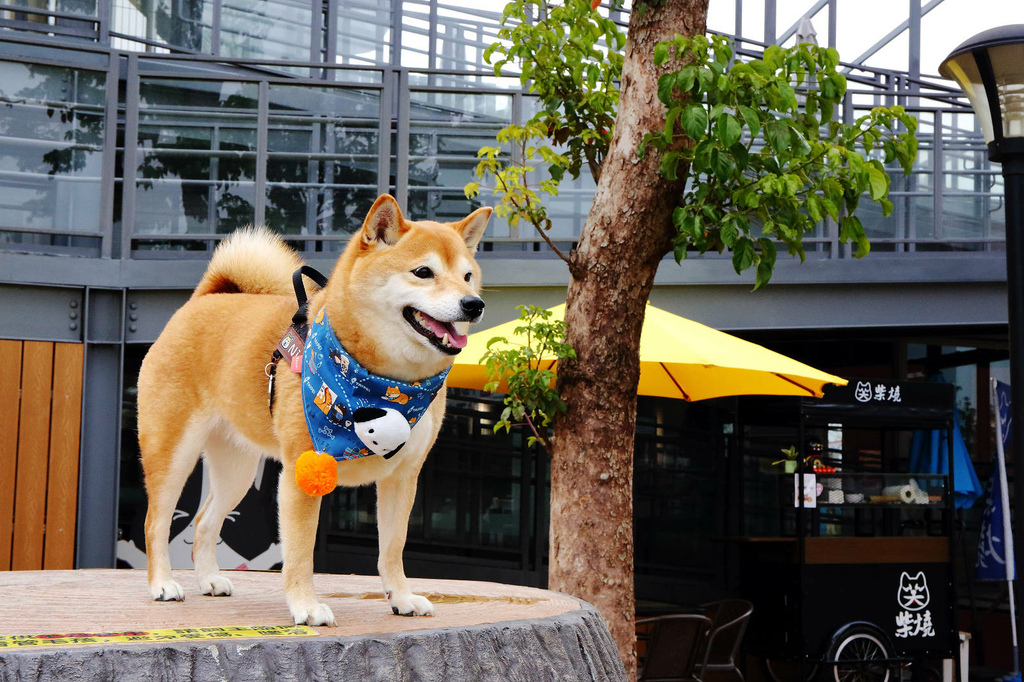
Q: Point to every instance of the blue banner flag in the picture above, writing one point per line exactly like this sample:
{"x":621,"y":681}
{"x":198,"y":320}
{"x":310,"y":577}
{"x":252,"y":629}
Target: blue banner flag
{"x":995,"y":544}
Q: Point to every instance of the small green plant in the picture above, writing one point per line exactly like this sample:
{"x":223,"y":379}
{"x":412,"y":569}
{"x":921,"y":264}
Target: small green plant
{"x":518,"y":199}
{"x":790,"y":453}
{"x":532,"y":399}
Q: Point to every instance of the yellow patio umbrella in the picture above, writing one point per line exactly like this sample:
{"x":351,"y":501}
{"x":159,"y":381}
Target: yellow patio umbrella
{"x":679,"y":358}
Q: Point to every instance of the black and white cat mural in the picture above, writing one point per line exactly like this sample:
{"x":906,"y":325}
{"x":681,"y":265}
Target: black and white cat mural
{"x":248,"y":539}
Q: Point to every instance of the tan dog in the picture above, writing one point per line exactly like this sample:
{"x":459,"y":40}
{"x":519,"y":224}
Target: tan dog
{"x":399,"y":299}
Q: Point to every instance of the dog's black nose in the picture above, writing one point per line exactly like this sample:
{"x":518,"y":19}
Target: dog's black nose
{"x":472,"y":306}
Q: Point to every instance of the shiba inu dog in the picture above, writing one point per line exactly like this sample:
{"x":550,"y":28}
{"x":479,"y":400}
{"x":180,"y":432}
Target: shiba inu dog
{"x":395,"y":395}
{"x":399,"y":301}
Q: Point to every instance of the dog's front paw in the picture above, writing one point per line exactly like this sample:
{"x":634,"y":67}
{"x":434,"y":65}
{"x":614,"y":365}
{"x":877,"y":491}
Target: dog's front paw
{"x":167,"y":590}
{"x":216,"y":586}
{"x":409,"y":604}
{"x":313,"y":613}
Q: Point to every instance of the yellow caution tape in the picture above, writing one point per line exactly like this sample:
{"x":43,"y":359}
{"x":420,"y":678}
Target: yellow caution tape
{"x":171,"y":635}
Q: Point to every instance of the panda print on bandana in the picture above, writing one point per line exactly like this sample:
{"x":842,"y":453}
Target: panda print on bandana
{"x":350,"y":412}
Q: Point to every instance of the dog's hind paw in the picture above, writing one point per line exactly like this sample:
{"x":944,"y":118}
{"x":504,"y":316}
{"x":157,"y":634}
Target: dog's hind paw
{"x":313,"y":614}
{"x":167,"y":590}
{"x":410,"y":605}
{"x":216,"y":586}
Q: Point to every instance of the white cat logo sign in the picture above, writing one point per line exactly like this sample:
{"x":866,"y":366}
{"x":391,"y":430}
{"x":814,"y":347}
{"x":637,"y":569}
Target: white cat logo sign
{"x":863,"y":392}
{"x":913,"y":592}
{"x":913,"y":619}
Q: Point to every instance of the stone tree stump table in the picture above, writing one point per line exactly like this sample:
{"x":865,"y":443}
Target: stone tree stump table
{"x":92,"y":625}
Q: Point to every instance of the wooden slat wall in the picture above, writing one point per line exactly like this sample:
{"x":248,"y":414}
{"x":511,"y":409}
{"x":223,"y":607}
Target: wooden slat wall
{"x":10,"y":403}
{"x":62,"y":479}
{"x":40,"y":411}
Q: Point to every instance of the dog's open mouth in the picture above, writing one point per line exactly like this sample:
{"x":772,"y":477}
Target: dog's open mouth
{"x":441,"y":334}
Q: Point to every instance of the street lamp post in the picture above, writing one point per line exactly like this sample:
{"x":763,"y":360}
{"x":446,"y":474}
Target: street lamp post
{"x":990,"y":69}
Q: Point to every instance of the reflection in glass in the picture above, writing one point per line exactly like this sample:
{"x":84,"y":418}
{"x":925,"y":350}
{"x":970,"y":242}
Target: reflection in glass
{"x":364,"y":32}
{"x":186,"y":24}
{"x":446,"y":130}
{"x":86,"y":8}
{"x":266,"y":29}
{"x":323,"y":151}
{"x":51,"y":146}
{"x":197,"y":156}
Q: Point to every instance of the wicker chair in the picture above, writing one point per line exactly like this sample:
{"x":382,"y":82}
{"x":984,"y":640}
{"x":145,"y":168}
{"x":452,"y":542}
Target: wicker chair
{"x":671,"y":647}
{"x":719,"y":655}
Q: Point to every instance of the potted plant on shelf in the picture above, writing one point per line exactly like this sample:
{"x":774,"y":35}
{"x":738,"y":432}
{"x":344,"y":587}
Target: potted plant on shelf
{"x":789,"y":463}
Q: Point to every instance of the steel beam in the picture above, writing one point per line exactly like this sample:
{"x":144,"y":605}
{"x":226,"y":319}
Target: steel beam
{"x":100,"y":455}
{"x":893,"y":33}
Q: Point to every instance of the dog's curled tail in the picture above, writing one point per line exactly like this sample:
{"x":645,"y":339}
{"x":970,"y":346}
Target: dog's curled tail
{"x":253,"y":260}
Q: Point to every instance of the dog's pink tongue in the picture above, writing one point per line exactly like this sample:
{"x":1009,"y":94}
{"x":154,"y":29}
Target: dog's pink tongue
{"x":455,"y":339}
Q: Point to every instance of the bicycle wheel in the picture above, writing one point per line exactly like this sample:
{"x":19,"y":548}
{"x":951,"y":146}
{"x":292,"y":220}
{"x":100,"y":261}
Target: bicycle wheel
{"x":858,"y":653}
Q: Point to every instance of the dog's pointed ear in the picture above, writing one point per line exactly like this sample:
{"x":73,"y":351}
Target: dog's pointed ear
{"x":384,"y":223}
{"x":472,"y":226}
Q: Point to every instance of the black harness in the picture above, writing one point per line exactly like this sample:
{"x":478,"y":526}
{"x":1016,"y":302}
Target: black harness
{"x":300,"y":324}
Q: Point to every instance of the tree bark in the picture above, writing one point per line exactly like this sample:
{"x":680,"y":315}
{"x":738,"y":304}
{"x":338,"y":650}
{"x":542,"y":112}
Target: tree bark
{"x":628,"y":232}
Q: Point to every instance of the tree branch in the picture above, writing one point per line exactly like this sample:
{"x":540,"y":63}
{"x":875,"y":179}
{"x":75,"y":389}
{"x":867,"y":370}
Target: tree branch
{"x":529,"y":217}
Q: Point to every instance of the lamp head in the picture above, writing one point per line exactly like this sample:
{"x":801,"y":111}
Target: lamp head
{"x":989,"y":68}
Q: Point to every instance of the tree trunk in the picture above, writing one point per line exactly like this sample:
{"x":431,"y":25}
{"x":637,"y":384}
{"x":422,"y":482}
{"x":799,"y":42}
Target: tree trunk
{"x":628,"y":232}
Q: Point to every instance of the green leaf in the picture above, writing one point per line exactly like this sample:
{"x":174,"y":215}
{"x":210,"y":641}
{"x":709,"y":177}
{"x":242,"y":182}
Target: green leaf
{"x":556,"y":172}
{"x":471,"y":189}
{"x":840,"y":82}
{"x":764,"y":274}
{"x":831,"y":208}
{"x":813,"y":206}
{"x":669,"y":163}
{"x":694,"y":120}
{"x":729,"y":232}
{"x":729,"y":130}
{"x":741,"y":155}
{"x":679,"y":252}
{"x":660,"y":53}
{"x":751,"y":119}
{"x":670,"y":121}
{"x":721,"y":165}
{"x":789,"y":102}
{"x":768,"y":250}
{"x":855,"y":160}
{"x":702,"y":157}
{"x":705,"y":77}
{"x":792,"y":183}
{"x":666,"y":84}
{"x":851,"y":230}
{"x":878,"y":181}
{"x":778,"y":135}
{"x":685,"y":78}
{"x":743,"y":254}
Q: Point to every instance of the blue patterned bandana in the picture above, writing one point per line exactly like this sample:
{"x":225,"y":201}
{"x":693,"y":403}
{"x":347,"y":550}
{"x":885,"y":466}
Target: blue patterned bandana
{"x":350,"y":412}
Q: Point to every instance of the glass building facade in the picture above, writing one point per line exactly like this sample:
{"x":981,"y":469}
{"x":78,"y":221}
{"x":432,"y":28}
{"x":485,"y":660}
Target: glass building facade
{"x":297,"y":115}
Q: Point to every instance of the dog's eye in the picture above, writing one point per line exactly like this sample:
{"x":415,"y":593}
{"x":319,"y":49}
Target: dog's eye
{"x":423,"y":272}
{"x":469,"y":276}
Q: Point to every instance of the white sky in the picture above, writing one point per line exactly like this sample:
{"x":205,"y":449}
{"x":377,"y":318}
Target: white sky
{"x":862,"y":23}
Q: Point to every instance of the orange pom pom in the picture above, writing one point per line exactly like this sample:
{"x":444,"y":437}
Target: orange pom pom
{"x":316,"y":474}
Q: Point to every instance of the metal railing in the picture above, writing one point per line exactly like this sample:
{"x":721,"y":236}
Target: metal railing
{"x":204,"y":144}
